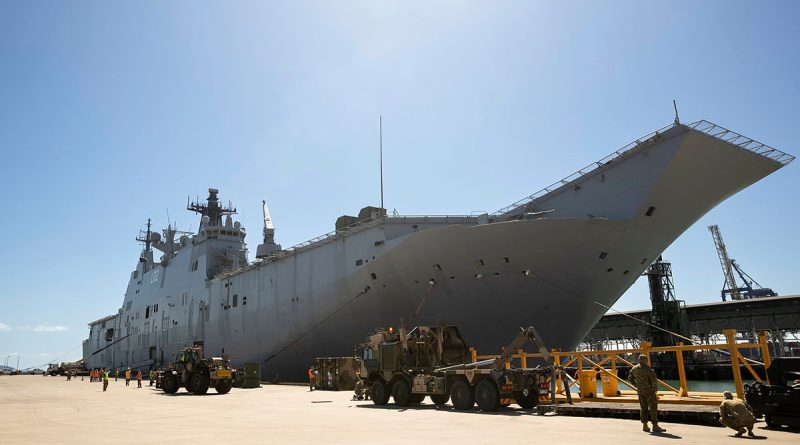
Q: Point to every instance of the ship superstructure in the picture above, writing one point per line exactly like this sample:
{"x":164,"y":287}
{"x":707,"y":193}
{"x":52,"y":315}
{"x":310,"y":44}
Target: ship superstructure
{"x":556,"y":259}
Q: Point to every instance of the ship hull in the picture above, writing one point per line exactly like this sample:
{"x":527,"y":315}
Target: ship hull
{"x":559,"y":273}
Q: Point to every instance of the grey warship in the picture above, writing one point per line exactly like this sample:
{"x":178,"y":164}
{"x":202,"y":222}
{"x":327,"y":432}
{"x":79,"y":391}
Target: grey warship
{"x":555,"y":259}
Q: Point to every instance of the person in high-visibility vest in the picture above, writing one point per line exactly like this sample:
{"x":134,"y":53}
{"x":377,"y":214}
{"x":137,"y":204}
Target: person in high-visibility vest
{"x":105,"y":380}
{"x":139,"y":379}
{"x":128,"y":377}
{"x":312,"y":378}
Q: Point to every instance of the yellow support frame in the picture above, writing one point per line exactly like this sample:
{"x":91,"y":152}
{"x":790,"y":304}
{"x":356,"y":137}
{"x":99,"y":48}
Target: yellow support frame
{"x":582,"y":358}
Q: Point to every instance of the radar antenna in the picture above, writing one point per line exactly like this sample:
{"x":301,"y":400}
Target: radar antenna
{"x":211,"y":208}
{"x":675,"y":105}
{"x":146,"y":239}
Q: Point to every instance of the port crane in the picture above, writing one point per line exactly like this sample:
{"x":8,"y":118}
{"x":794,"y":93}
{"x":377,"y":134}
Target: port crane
{"x":751,"y":289}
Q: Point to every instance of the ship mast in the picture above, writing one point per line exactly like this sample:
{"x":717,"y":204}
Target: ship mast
{"x":146,"y":239}
{"x":212,"y":209}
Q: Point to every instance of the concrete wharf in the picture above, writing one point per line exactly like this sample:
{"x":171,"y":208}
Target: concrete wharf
{"x":50,"y":410}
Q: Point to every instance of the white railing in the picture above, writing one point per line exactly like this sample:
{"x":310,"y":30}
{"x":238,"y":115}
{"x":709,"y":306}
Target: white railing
{"x":702,"y":126}
{"x":583,"y":172}
{"x":742,"y":142}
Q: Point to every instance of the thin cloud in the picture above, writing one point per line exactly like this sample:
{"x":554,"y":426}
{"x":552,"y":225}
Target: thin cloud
{"x":4,"y":327}
{"x":44,"y":327}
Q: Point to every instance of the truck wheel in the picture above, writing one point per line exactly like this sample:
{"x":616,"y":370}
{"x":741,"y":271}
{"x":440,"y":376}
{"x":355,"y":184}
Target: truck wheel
{"x":169,"y":384}
{"x":224,"y":386}
{"x":199,"y":384}
{"x":440,"y":399}
{"x":525,"y":402}
{"x":379,"y":392}
{"x":416,"y":398}
{"x":771,"y":422}
{"x":401,"y":393}
{"x":461,"y":393}
{"x":487,"y":396}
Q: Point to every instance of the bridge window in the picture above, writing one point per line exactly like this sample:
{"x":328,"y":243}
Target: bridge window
{"x":235,"y":300}
{"x":603,"y":255}
{"x":650,"y":211}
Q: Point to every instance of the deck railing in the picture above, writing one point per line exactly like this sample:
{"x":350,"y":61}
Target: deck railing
{"x":584,"y":171}
{"x":702,"y":126}
{"x":742,"y":142}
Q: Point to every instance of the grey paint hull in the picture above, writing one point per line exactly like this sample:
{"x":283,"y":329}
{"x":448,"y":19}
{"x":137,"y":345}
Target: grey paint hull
{"x":559,"y":273}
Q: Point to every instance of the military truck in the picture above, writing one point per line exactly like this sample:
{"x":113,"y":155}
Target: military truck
{"x":54,"y":369}
{"x":778,"y":401}
{"x":195,"y":373}
{"x":434,"y":362}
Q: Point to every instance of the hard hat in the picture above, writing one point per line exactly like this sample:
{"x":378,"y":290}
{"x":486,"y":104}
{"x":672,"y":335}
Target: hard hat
{"x":727,"y":395}
{"x":642,"y":358}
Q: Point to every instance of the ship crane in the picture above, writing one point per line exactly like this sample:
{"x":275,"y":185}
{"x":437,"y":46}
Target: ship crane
{"x":751,"y":289}
{"x":268,"y":247}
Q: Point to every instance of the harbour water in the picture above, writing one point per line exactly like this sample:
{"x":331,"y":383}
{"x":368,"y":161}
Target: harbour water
{"x":694,"y":385}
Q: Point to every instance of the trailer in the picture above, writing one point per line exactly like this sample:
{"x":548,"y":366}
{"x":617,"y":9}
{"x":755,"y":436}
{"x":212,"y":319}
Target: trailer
{"x":433,"y":361}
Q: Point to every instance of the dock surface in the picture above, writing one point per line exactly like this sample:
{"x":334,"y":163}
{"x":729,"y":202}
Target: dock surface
{"x":49,"y":410}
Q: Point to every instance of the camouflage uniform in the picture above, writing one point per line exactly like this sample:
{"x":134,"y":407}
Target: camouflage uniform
{"x":737,"y":415}
{"x":359,"y":390}
{"x":646,"y":382}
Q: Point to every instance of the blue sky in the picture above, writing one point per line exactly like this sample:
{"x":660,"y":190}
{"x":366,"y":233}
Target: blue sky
{"x":111,"y":113}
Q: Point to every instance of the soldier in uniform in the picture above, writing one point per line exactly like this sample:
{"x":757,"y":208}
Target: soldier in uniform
{"x":736,"y":414}
{"x":359,"y":391}
{"x":644,"y":378}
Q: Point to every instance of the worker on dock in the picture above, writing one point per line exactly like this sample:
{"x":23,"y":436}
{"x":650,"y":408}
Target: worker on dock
{"x":139,"y":379}
{"x":737,"y":415}
{"x":359,"y":390}
{"x":312,"y":378}
{"x":646,"y":382}
{"x":128,"y":377}
{"x":105,"y":380}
